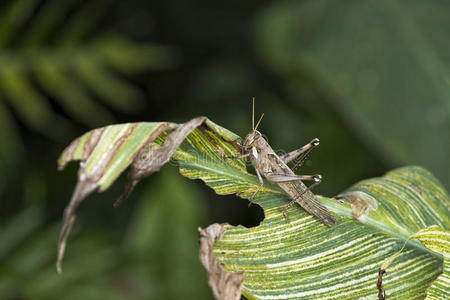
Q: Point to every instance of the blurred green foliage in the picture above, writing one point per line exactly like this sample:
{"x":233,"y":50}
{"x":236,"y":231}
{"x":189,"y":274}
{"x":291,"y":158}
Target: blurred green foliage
{"x":55,"y":72}
{"x":369,"y":78}
{"x":385,"y":65}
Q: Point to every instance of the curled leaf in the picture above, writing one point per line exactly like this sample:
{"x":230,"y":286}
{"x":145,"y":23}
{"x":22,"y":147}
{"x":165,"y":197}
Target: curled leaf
{"x":106,"y":152}
{"x":225,"y":285}
{"x":151,"y":158}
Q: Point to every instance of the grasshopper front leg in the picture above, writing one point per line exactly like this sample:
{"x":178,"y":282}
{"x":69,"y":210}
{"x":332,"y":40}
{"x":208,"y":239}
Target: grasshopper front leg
{"x":261,"y":181}
{"x":238,"y":157}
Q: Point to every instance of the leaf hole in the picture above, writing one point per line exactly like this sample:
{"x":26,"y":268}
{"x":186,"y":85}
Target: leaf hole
{"x":234,"y":210}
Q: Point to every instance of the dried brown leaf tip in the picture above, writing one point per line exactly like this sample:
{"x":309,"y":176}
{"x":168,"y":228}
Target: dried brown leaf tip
{"x":151,"y":158}
{"x":106,"y":152}
{"x":361,"y":204}
{"x":381,"y":291}
{"x":223,"y":284}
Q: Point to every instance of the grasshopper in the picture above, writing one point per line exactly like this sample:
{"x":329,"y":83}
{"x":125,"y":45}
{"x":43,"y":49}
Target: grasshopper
{"x":275,"y":169}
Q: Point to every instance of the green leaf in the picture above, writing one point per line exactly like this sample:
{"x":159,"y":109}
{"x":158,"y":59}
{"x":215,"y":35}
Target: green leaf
{"x":283,"y":260}
{"x":306,"y":259}
{"x":438,"y":240}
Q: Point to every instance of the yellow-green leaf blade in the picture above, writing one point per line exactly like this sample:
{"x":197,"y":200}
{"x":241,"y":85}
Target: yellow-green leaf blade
{"x":438,"y":240}
{"x":302,"y":259}
{"x":305,"y":259}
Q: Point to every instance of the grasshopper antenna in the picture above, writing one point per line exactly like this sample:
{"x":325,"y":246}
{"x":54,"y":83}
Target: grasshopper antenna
{"x":257,"y":124}
{"x":253,"y":114}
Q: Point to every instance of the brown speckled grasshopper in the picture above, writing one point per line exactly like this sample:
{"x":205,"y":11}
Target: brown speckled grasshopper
{"x":275,"y":169}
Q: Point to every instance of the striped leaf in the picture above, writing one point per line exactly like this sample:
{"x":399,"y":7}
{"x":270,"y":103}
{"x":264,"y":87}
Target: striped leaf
{"x":305,"y":259}
{"x":438,"y":240}
{"x":302,"y":259}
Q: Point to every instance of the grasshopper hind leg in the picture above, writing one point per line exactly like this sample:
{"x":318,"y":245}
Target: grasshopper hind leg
{"x":285,"y":208}
{"x":317,"y":180}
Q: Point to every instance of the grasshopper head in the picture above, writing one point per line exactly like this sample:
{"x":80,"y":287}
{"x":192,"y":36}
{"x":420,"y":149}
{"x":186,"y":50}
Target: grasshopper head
{"x":251,"y":139}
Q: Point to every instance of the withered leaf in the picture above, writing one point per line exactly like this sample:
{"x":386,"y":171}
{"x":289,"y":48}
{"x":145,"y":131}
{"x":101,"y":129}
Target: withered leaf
{"x":144,"y":157}
{"x":151,"y":158}
{"x":225,"y":285}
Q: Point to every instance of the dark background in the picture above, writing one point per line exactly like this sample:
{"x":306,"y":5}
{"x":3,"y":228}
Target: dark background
{"x":369,"y":78}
